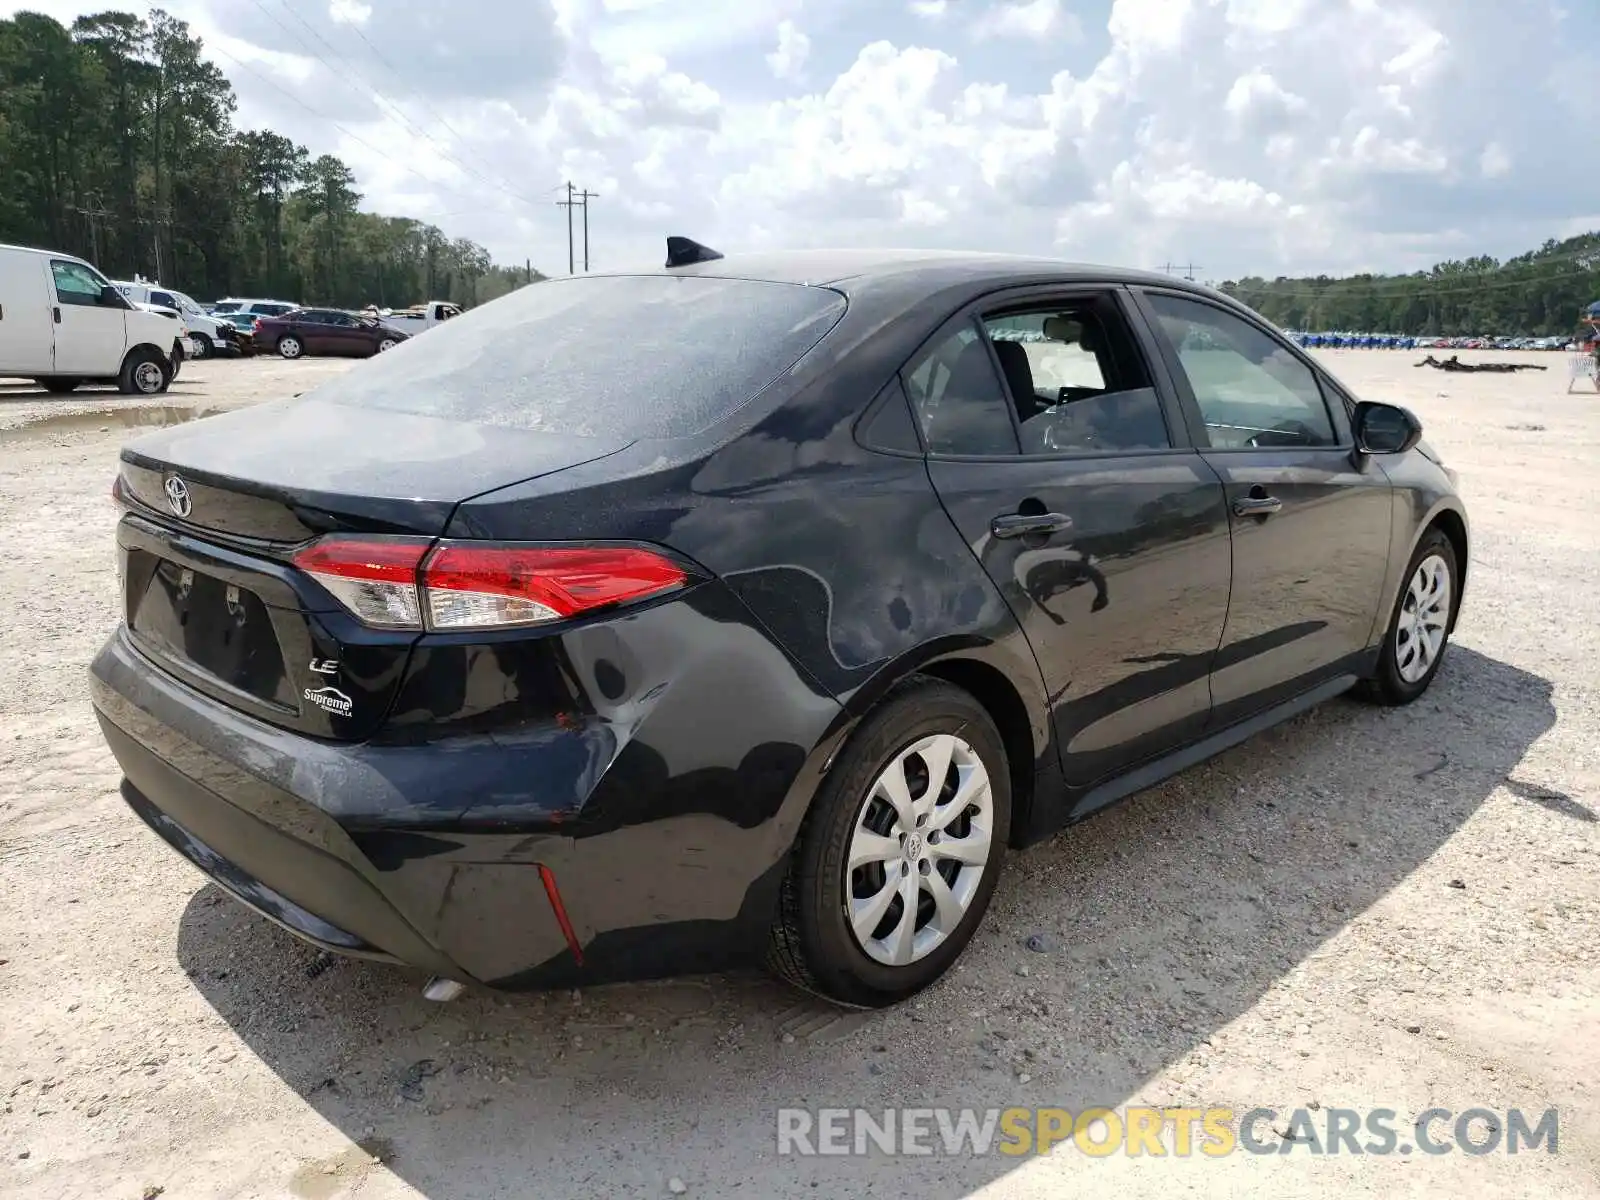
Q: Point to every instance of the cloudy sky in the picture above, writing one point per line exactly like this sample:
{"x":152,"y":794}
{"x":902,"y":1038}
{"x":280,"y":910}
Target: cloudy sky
{"x":1244,"y":136}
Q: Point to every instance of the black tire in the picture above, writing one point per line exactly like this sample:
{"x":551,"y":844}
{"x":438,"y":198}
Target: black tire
{"x":812,"y":944}
{"x":1389,"y":686}
{"x":137,"y":377}
{"x":204,"y":347}
{"x":386,"y":345}
{"x":290,"y":347}
{"x":58,"y":386}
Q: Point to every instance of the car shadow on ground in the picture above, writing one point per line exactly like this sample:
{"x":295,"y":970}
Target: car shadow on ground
{"x":1161,"y":921}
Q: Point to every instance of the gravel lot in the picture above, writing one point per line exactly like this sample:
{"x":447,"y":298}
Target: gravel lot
{"x":1360,"y":909}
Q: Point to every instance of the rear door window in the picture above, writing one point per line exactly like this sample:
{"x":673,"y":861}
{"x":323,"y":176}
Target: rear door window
{"x":958,"y":398}
{"x":651,"y":356}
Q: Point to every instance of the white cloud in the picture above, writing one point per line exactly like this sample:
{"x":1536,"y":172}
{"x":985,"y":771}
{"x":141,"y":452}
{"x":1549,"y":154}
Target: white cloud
{"x":1036,"y":19}
{"x":789,"y":59}
{"x":1257,"y":136}
{"x":1494,"y":161}
{"x":349,"y":12}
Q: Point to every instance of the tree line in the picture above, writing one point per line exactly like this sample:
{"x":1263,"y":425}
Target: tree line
{"x":1540,"y":293}
{"x":117,"y":145}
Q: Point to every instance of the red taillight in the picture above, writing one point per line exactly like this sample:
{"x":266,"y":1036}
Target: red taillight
{"x":255,"y":326}
{"x":395,"y":583}
{"x":471,"y":586}
{"x":375,"y":578}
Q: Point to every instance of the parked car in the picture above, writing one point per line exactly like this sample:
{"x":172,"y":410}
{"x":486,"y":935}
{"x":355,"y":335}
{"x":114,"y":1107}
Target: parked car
{"x":418,"y":319}
{"x":634,"y":624}
{"x":324,"y":331}
{"x":251,"y":308}
{"x":208,"y":335}
{"x":243,"y":327}
{"x":62,"y":324}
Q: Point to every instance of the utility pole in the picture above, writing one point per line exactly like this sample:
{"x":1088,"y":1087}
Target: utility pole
{"x":586,"y":195}
{"x":1188,"y":270}
{"x":95,"y":215}
{"x":567,"y":204}
{"x":576,"y":200}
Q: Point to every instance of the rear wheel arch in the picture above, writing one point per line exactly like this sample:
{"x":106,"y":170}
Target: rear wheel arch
{"x":1451,"y":523}
{"x":998,"y":695}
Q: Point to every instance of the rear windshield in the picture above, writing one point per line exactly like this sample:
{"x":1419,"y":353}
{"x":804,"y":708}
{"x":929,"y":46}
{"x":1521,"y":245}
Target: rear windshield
{"x":226,"y":306}
{"x":649,"y":356}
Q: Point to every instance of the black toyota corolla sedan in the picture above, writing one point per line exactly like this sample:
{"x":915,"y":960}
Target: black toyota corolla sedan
{"x":749,"y":608}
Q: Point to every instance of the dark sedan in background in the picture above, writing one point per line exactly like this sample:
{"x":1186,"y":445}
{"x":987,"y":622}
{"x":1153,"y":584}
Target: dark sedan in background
{"x":323,"y":331}
{"x":750,"y":608}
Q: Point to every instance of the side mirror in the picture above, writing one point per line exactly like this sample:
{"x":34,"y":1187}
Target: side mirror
{"x":1385,"y":428}
{"x":111,"y":298}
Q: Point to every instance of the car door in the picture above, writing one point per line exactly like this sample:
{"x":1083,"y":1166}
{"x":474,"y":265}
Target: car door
{"x":1311,"y":518}
{"x":27,"y":331}
{"x":345,"y":336}
{"x":90,"y":320}
{"x":311,"y":327}
{"x":1065,"y":465}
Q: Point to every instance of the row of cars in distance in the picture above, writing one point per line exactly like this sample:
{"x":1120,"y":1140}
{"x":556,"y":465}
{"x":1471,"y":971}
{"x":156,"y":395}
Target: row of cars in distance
{"x":64,"y":324}
{"x":292,"y":331}
{"x":1428,"y":341}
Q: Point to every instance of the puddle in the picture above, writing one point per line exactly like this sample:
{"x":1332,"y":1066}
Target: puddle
{"x":321,"y":1179}
{"x":105,"y":420}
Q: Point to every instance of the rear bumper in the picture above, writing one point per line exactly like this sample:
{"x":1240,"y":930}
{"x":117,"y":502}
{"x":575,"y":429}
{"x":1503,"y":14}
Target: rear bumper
{"x":373,"y":850}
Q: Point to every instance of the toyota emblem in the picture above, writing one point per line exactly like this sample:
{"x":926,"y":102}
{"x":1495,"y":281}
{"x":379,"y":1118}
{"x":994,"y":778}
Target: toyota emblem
{"x":178,"y":495}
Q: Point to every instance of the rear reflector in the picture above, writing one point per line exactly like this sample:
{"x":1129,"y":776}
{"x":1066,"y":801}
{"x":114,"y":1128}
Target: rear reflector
{"x":395,"y":583}
{"x":553,"y":894}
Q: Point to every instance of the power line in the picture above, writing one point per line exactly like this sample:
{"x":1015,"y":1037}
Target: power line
{"x":393,"y":108}
{"x":1379,"y":290}
{"x":400,"y":77}
{"x":1188,"y":270}
{"x":354,"y":137}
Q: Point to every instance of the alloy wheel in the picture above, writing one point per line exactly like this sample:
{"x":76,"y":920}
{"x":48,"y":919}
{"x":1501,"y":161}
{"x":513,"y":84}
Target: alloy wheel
{"x":921,"y":841}
{"x":1424,"y":619}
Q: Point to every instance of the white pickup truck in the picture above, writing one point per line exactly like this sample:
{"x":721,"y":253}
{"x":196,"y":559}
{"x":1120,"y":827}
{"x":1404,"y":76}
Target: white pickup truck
{"x":417,"y":318}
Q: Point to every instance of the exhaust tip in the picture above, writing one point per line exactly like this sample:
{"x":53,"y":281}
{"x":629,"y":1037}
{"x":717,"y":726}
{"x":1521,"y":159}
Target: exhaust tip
{"x":442,"y":990}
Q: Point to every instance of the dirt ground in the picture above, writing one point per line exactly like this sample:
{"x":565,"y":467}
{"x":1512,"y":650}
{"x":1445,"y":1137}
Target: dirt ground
{"x":1361,"y":909}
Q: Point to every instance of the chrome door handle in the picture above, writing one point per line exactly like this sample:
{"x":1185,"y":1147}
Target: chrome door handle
{"x":1011,"y":525}
{"x":1256,"y":506}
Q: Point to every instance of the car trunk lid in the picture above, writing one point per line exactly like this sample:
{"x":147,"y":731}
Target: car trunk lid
{"x":217,"y":508}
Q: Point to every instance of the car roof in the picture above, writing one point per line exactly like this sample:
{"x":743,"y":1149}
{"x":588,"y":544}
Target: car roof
{"x":847,"y":269}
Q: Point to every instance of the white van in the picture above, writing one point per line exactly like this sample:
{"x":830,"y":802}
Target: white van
{"x":206,"y":334}
{"x":62,"y":323}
